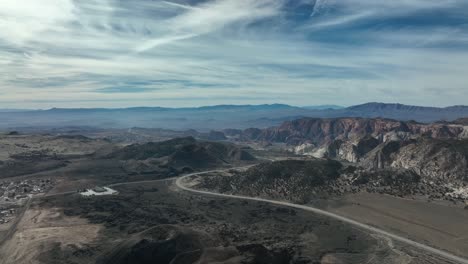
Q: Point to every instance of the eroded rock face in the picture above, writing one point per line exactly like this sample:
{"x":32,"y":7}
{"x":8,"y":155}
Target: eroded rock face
{"x":383,"y":155}
{"x":464,"y":134}
{"x":324,"y":131}
{"x":441,"y":159}
{"x":435,"y":159}
{"x":435,"y":151}
{"x":304,"y":148}
{"x":351,"y":151}
{"x":432,"y":158}
{"x":348,"y":152}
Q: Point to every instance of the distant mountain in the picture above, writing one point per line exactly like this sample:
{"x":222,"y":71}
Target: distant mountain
{"x":323,"y":107}
{"x":401,"y":107}
{"x":216,"y":117}
{"x":406,"y":112}
{"x":155,"y":109}
{"x":243,"y":107}
{"x":388,"y":107}
{"x":200,"y":118}
{"x":8,"y":110}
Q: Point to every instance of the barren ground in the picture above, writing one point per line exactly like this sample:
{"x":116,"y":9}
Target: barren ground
{"x":442,"y":226}
{"x":42,"y":229}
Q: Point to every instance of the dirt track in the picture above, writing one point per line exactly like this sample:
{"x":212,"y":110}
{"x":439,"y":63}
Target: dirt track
{"x":13,"y":227}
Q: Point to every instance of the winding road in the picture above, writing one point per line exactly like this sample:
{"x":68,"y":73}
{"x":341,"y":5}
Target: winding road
{"x":444,"y":254}
{"x":179,"y":183}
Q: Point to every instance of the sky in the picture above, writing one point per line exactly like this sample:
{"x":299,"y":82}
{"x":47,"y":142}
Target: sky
{"x":176,"y":53}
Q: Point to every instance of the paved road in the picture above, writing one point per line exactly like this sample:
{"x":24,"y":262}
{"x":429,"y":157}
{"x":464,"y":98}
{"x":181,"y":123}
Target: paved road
{"x":174,"y":178}
{"x":18,"y":218}
{"x":372,"y":229}
{"x":139,"y":182}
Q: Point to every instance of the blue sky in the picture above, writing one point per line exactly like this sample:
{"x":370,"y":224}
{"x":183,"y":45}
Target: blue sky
{"x":119,"y":53}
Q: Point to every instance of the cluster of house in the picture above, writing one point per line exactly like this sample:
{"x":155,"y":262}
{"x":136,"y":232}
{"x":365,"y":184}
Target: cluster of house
{"x":11,"y":191}
{"x":6,"y":215}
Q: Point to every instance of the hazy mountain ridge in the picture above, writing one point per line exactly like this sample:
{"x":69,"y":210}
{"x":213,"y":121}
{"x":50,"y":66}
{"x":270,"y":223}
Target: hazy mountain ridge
{"x":408,"y":112}
{"x":217,"y":117}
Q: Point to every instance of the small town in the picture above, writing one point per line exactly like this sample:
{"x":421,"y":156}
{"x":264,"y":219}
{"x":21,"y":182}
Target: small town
{"x":14,"y":193}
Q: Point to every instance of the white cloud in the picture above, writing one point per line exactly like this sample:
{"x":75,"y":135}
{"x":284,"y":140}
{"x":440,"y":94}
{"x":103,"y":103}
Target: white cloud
{"x":211,"y":17}
{"x":63,"y":55}
{"x":24,"y":20}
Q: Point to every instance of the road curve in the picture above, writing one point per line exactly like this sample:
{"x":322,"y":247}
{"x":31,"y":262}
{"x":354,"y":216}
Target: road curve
{"x":372,"y":229}
{"x":138,"y":182}
{"x":172,"y":178}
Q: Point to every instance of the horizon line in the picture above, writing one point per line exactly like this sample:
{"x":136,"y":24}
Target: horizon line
{"x":226,"y":105}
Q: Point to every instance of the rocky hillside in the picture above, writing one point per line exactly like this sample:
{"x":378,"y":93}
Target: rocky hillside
{"x":303,"y":181}
{"x":294,"y":179}
{"x":462,"y":121}
{"x":433,"y":158}
{"x":436,"y":151}
{"x":180,"y":154}
{"x":319,"y":131}
{"x":152,"y":149}
{"x":174,"y":245}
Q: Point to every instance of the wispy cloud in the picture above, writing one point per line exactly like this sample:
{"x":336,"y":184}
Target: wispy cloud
{"x":127,"y":53}
{"x":329,"y":13}
{"x":210,"y":17}
{"x":25,"y":20}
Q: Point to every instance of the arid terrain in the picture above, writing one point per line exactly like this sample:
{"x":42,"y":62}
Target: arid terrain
{"x":233,"y":132}
{"x":109,"y":198}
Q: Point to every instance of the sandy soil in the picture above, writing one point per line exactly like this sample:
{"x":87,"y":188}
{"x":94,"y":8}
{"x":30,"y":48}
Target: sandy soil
{"x":436,"y":225}
{"x":10,"y":145}
{"x":40,"y":230}
{"x":6,"y":226}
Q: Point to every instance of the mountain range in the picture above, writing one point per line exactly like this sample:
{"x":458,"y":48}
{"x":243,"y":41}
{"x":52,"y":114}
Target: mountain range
{"x":437,"y":151}
{"x":217,"y":117}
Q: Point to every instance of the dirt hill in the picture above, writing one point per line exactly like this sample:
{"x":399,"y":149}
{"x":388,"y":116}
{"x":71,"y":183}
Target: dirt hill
{"x":180,"y":154}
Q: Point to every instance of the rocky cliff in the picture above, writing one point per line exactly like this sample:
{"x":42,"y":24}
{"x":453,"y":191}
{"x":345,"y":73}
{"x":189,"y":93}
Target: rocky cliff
{"x":436,"y":150}
{"x":322,"y":131}
{"x":433,"y":158}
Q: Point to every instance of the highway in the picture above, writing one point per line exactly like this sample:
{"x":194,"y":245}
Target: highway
{"x":429,"y":249}
{"x":180,"y":185}
{"x":134,"y":182}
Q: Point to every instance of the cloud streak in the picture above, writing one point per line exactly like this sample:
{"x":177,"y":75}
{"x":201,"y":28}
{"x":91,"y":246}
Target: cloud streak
{"x":116,"y":53}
